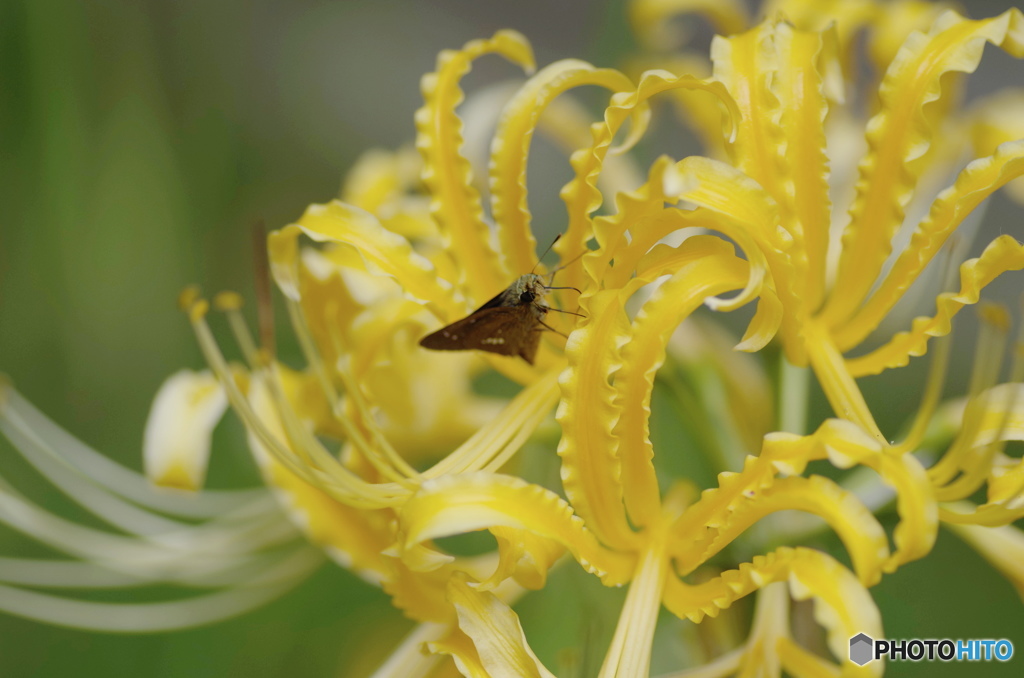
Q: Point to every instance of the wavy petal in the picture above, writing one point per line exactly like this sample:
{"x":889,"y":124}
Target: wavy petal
{"x":496,"y":633}
{"x":853,"y":523}
{"x":889,"y":22}
{"x":844,"y":444}
{"x":843,"y":606}
{"x":976,"y":182}
{"x":747,"y":64}
{"x":523,"y":556}
{"x":455,"y":204}
{"x":899,"y":136}
{"x":806,"y":59}
{"x":634,"y":212}
{"x":1003,"y":254}
{"x":734,"y":198}
{"x":751,"y":215}
{"x":460,"y":648}
{"x":383,"y":252}
{"x":987,"y":515}
{"x":995,"y":120}
{"x":849,"y":16}
{"x":474,"y":501}
{"x":581,"y":195}
{"x":990,"y":419}
{"x":644,"y":354}
{"x":591,"y":468}
{"x":511,"y":147}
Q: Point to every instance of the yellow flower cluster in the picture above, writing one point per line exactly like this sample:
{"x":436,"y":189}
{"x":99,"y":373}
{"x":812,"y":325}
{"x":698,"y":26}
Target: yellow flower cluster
{"x":380,"y":449}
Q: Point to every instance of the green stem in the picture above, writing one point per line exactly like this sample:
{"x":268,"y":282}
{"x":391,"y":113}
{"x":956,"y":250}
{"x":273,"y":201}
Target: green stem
{"x":794,"y":387}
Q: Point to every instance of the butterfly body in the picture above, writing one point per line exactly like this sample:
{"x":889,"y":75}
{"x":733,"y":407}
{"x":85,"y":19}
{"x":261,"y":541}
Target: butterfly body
{"x":509,"y":324}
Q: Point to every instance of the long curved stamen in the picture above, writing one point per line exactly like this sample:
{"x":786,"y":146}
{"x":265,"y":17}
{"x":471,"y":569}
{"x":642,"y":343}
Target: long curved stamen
{"x":383,"y":462}
{"x":333,"y":478}
{"x":990,"y":346}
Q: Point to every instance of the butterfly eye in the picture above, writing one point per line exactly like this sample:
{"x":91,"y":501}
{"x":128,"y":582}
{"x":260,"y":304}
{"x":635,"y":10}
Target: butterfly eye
{"x":526,"y":297}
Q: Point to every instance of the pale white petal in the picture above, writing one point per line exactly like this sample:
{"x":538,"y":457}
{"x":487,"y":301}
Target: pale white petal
{"x":176,"y":447}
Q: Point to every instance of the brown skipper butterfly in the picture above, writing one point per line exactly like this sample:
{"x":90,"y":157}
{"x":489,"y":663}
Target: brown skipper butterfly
{"x":509,"y":324}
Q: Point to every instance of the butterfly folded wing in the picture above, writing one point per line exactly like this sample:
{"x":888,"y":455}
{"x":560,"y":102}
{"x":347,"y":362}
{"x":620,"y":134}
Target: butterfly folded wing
{"x":505,"y":330}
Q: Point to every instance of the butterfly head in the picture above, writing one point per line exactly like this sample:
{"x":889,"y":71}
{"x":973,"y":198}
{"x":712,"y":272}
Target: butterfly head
{"x":529,"y":289}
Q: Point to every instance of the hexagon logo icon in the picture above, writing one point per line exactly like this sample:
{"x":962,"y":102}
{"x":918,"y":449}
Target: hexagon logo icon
{"x":861,"y":649}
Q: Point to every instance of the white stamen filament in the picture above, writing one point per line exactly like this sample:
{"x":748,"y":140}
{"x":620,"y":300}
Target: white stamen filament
{"x":82,"y":461}
{"x":165,"y":616}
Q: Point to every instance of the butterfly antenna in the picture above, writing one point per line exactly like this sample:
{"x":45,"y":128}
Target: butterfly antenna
{"x":564,"y":288}
{"x":545,"y":253}
{"x":562,"y":310}
{"x":571,"y":261}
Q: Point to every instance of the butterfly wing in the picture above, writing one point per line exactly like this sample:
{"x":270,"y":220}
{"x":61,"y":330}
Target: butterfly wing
{"x":531,"y":342}
{"x":505,"y":330}
{"x":502,"y":298}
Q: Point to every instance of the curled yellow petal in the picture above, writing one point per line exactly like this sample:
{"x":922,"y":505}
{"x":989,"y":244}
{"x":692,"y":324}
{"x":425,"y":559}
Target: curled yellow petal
{"x":635,"y":211}
{"x":976,"y":183}
{"x":496,"y":633}
{"x":842,"y":604}
{"x":1003,"y":254}
{"x":989,"y":420}
{"x":995,"y":120}
{"x":676,"y":299}
{"x":845,"y":444}
{"x":581,"y":195}
{"x":383,"y":252}
{"x":523,"y":556}
{"x":474,"y":501}
{"x":746,"y":64}
{"x":860,"y":533}
{"x":460,"y":648}
{"x":848,"y":16}
{"x":765,"y":324}
{"x":806,"y":59}
{"x":455,"y":203}
{"x":751,"y":217}
{"x":591,"y":468}
{"x":176,"y":443}
{"x":511,"y":147}
{"x":899,"y":137}
{"x":746,"y":214}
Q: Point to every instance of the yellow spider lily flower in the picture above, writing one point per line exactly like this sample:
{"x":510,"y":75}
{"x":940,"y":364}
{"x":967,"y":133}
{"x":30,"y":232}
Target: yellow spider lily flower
{"x":772,"y":199}
{"x":378,"y":449}
{"x":393,"y":259}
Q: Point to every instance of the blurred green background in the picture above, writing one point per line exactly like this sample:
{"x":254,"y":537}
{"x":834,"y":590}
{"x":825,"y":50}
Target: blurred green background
{"x":138,"y":143}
